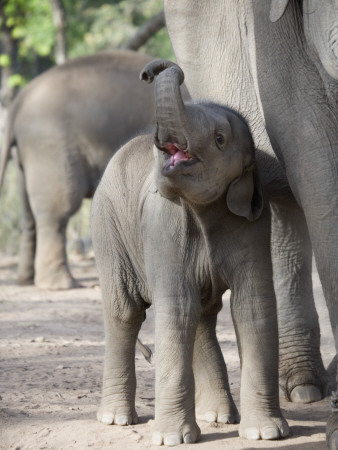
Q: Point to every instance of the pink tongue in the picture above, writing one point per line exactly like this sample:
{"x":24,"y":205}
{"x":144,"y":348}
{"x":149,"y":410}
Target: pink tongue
{"x":179,"y":156}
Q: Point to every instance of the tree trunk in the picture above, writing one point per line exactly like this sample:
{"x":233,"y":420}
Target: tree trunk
{"x":145,"y":32}
{"x":59,"y":20}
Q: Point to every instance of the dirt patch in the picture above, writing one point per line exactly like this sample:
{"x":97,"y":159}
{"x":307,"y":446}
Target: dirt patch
{"x":51,"y":348}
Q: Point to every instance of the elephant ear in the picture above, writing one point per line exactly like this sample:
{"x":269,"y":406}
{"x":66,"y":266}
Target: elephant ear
{"x":277,"y":9}
{"x":244,"y":196}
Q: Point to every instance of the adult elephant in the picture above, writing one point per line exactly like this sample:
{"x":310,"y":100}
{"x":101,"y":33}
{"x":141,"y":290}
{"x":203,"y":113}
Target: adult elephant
{"x":277,"y":63}
{"x":66,"y":125}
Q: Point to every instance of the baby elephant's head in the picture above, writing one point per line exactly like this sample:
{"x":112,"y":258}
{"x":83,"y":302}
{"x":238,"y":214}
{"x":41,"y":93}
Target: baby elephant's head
{"x":203,"y":151}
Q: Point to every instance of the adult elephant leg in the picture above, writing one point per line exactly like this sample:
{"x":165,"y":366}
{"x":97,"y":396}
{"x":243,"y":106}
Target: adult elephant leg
{"x":331,"y":372}
{"x":303,"y":127}
{"x":51,"y":218}
{"x":28,"y":237}
{"x":327,"y":264}
{"x":55,"y":191}
{"x":302,"y":376}
{"x":214,"y":402}
{"x":51,"y":266}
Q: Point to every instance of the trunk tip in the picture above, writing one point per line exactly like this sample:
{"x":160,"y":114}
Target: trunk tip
{"x":147,"y":75}
{"x":157,"y":66}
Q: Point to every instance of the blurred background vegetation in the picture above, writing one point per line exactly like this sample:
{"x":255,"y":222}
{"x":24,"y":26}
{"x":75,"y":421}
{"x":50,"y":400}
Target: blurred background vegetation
{"x":37,"y":34}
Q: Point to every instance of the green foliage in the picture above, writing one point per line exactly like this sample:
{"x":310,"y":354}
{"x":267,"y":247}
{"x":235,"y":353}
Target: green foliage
{"x":31,"y":24}
{"x":16,"y":80}
{"x":91,"y":26}
{"x":5,"y":60}
{"x":159,"y":46}
{"x":94,"y":26}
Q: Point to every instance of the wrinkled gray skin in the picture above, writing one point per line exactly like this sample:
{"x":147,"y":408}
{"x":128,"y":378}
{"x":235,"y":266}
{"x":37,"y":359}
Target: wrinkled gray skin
{"x":66,"y":124}
{"x":174,"y":225}
{"x":278,"y":66}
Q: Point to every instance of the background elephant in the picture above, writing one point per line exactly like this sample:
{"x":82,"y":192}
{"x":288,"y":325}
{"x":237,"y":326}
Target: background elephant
{"x":276,"y":62}
{"x":175,"y":224}
{"x":66,"y":124}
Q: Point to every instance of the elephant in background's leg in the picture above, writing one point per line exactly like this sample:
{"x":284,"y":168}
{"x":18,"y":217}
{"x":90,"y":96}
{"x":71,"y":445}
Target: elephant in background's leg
{"x":51,"y":214}
{"x":28,"y":237}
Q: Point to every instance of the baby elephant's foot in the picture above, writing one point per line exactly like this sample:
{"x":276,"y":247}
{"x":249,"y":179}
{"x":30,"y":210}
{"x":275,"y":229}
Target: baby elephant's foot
{"x":256,"y":426}
{"x":220,"y":408}
{"x":117,"y":415}
{"x":186,"y":433}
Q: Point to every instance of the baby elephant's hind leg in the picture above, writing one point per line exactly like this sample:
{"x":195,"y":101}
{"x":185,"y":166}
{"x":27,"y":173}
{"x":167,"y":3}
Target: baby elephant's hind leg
{"x":214,"y":402}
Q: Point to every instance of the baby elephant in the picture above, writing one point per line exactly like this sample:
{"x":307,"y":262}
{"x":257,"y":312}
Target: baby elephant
{"x":178,"y":219}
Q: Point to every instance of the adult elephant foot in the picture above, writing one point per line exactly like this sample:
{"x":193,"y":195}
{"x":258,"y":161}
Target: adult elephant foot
{"x":26,"y":264}
{"x":170,"y":433}
{"x":25,"y":281}
{"x":332,"y":431}
{"x":117,"y":414}
{"x":331,"y":373}
{"x":332,"y":423}
{"x":302,"y":376}
{"x":59,"y":279}
{"x":255,"y":426}
{"x":214,"y":406}
{"x":333,"y":441}
{"x":51,"y":266}
{"x":304,"y":386}
{"x":305,"y":394}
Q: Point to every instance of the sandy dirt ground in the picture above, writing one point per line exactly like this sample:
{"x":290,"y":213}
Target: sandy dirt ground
{"x":51,"y":352}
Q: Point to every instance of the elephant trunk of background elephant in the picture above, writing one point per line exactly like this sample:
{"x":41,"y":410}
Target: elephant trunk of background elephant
{"x":171,"y":118}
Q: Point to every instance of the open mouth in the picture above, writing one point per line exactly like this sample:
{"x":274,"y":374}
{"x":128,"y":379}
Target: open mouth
{"x":177,"y":154}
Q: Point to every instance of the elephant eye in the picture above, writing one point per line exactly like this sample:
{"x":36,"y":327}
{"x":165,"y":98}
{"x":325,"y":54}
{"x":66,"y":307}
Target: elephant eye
{"x":219,"y":139}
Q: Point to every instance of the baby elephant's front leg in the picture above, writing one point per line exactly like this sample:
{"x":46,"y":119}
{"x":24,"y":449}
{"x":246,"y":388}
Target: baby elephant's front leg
{"x":175,"y":328}
{"x":119,"y":380}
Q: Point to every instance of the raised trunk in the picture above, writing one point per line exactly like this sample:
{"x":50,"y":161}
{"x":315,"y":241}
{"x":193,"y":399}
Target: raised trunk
{"x":171,"y":119}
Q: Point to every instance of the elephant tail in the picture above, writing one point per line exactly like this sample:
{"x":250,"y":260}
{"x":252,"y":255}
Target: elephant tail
{"x":145,"y":350}
{"x":8,"y":141}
